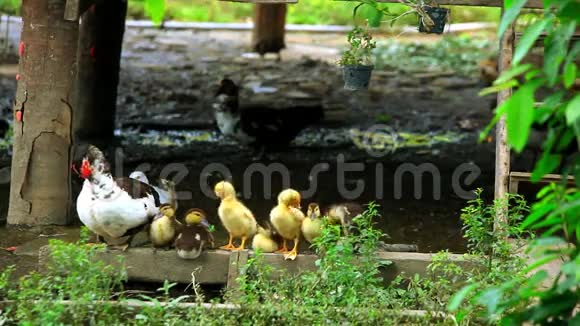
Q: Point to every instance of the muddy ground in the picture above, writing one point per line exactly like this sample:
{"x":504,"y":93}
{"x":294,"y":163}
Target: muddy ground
{"x":164,"y":116}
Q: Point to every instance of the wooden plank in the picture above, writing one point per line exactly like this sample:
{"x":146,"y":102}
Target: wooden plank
{"x":502,"y":150}
{"x":238,"y":259}
{"x":526,"y":176}
{"x":540,"y":41}
{"x":477,"y":3}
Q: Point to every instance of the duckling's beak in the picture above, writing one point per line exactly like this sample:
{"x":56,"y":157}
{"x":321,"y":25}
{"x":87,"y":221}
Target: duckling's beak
{"x":205,"y":223}
{"x":312,"y":216}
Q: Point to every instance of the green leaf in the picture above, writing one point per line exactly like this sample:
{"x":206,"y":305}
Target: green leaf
{"x":530,"y":36}
{"x":540,"y":262}
{"x":537,"y":214}
{"x":155,"y":9}
{"x":513,"y":9}
{"x":373,"y":15}
{"x":496,"y":88}
{"x":547,"y":164}
{"x":548,"y":222}
{"x":459,"y":297}
{"x":498,"y":114}
{"x":514,"y":71}
{"x":573,"y":110}
{"x":555,"y":50}
{"x":520,"y":116}
{"x":569,"y":74}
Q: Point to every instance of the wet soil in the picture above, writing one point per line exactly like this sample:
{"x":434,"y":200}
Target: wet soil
{"x":164,"y":119}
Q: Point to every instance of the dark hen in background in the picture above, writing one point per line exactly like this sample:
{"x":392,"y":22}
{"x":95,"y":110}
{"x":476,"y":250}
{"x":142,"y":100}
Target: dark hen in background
{"x":260,"y":126}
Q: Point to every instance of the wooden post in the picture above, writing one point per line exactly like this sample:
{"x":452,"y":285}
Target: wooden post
{"x":502,"y":151}
{"x":238,"y":259}
{"x":40,"y":187}
{"x":269,"y":28}
{"x":99,"y":56}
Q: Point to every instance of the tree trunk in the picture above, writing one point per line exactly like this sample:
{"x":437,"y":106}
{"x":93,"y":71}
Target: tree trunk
{"x":99,"y":55}
{"x":40,"y":188}
{"x":269,"y":24}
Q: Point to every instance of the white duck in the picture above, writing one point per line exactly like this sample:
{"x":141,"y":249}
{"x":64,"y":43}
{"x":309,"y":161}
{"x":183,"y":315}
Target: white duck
{"x":166,"y":188}
{"x":113,"y":208}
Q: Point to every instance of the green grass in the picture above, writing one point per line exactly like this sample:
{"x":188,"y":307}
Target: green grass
{"x":322,"y":12}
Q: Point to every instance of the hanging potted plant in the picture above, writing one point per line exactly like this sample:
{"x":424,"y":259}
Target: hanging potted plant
{"x":356,"y":62}
{"x":432,"y":18}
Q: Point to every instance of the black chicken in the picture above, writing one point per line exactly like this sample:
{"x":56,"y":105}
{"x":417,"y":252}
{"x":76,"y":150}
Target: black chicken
{"x":262,"y":127}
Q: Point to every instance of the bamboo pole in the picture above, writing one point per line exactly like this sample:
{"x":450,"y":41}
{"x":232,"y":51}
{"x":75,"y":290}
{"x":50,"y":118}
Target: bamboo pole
{"x":502,"y":151}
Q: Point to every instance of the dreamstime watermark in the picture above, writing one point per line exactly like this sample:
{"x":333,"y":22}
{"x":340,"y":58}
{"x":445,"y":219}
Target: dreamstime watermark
{"x":378,"y":141}
{"x":426,"y":179}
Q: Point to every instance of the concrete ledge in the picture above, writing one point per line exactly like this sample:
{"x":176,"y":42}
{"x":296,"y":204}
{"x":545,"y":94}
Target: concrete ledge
{"x":134,"y":306}
{"x":216,"y":267}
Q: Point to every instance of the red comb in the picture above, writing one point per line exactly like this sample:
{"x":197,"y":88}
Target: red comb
{"x":86,"y":169}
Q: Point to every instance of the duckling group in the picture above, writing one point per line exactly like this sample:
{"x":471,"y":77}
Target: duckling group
{"x":115,"y":209}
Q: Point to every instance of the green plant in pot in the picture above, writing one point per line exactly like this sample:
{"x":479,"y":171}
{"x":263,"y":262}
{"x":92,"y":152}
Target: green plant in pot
{"x":356,"y":62}
{"x":432,"y":18}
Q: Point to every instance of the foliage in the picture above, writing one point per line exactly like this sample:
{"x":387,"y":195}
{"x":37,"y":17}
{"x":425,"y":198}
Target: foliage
{"x":360,"y":50}
{"x":155,"y":9}
{"x":460,"y":54}
{"x":11,"y":7}
{"x":555,"y":215}
{"x":71,"y":274}
{"x":491,"y":257}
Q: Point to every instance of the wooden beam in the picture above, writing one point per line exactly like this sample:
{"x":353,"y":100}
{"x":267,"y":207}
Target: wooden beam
{"x":517,"y":177}
{"x":502,"y":150}
{"x":537,"y":4}
{"x":263,"y":1}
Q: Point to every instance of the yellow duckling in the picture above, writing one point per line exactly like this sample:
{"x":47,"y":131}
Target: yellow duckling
{"x":194,"y":236}
{"x":287,"y":218}
{"x":236,"y":218}
{"x":312,"y":224}
{"x":264,"y":240}
{"x":164,"y":227}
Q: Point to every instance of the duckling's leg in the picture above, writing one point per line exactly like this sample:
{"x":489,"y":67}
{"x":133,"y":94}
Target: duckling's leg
{"x":119,"y":247}
{"x":292,"y":254}
{"x":284,"y":248}
{"x":242,"y":245}
{"x":230,"y":245}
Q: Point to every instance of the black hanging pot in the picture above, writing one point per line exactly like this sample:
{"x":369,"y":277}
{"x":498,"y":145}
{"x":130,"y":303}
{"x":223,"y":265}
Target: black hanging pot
{"x":356,"y":77}
{"x":439,"y":17}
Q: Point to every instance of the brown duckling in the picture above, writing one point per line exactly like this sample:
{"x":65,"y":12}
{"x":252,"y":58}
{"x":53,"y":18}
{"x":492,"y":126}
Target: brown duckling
{"x":343,"y":214}
{"x":194,"y":236}
{"x":312,"y":224}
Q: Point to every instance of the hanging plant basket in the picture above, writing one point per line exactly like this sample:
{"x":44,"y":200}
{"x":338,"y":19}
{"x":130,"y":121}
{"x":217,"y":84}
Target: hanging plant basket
{"x":438,"y":18}
{"x":356,"y":77}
